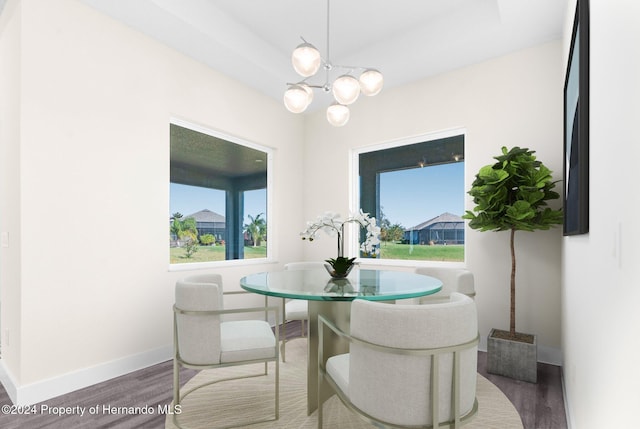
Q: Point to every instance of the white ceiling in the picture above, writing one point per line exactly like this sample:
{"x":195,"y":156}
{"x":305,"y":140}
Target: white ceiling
{"x":252,"y":40}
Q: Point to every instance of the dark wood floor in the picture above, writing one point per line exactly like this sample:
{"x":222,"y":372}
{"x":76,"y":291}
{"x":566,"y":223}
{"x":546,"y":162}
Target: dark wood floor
{"x":540,"y":405}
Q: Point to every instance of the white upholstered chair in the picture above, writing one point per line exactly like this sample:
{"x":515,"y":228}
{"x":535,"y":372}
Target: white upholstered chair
{"x":204,"y":340}
{"x":296,"y":309}
{"x":453,"y":280}
{"x":400,"y":354}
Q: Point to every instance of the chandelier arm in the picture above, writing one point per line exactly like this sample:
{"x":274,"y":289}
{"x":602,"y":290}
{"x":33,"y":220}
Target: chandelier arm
{"x":307,"y":84}
{"x":350,"y":67}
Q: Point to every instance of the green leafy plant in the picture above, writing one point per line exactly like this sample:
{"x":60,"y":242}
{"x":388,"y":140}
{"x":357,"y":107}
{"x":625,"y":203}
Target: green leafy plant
{"x":207,"y":239}
{"x":256,"y":229}
{"x":176,"y":224}
{"x":191,"y":245}
{"x":511,"y":195}
{"x":183,"y":228}
{"x":341,"y":265}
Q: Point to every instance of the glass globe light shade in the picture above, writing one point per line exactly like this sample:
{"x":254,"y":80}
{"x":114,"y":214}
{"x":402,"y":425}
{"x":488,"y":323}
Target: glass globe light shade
{"x":297,"y":98}
{"x":371,"y":82}
{"x":346,"y":89}
{"x":306,"y":59}
{"x":337,"y":114}
{"x":309,"y":91}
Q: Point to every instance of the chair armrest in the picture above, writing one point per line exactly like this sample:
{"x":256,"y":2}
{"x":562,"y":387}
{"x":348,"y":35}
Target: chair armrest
{"x":322,"y":322}
{"x":243,"y":292}
{"x":227,"y":311}
{"x":266,"y":310}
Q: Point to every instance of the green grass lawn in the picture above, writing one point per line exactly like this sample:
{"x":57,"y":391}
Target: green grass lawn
{"x":451,"y":253}
{"x":214,"y":253}
{"x":420,"y":252}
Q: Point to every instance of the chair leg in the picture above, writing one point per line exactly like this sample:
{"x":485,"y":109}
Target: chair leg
{"x":282,"y":350}
{"x":176,"y":383}
{"x":283,"y":332}
{"x":282,"y":345}
{"x":176,"y":391}
{"x":277,"y":389}
{"x":320,"y":406}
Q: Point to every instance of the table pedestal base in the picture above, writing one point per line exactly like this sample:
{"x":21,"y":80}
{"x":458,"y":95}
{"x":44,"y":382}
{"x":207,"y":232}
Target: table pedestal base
{"x":339,"y":313}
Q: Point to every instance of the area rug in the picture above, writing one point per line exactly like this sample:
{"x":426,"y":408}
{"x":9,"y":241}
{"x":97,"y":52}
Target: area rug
{"x":235,"y":403}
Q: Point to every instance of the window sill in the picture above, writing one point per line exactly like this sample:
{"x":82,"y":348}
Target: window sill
{"x":190,"y":266}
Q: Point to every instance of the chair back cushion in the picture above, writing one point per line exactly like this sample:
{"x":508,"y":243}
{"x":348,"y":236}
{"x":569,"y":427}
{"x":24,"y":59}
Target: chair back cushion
{"x":396,"y":388}
{"x":199,"y":335}
{"x":453,"y":280}
{"x":314,"y":265}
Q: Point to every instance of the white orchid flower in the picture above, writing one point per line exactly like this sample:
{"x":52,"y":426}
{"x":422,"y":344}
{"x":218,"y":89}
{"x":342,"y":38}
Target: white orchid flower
{"x":332,"y":224}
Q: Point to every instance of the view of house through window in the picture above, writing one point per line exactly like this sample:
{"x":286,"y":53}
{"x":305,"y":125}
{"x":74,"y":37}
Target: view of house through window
{"x":218,"y":198}
{"x":416,"y":191}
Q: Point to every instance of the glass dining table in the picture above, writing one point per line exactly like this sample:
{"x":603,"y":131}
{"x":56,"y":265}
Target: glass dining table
{"x":332,"y":298}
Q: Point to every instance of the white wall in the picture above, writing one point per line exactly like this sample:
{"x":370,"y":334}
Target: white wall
{"x":515,"y":100}
{"x":10,"y":209}
{"x":600,"y":269}
{"x":91,"y":100}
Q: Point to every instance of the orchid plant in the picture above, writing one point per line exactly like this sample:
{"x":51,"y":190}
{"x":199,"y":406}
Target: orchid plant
{"x":332,"y":224}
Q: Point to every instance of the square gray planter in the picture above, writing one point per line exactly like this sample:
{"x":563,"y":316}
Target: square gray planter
{"x":514,"y":359}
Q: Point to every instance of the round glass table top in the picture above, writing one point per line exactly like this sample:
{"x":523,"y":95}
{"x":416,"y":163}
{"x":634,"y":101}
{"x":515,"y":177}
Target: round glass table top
{"x":318,"y":285}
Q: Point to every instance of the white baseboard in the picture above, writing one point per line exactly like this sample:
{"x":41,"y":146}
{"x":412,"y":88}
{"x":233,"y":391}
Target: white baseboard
{"x":567,"y":405}
{"x":550,"y":355}
{"x":50,"y":388}
{"x":7,"y":381}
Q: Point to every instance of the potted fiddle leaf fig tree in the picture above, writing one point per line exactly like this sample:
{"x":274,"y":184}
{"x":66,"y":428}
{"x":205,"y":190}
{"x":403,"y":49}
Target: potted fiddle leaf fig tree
{"x":511,"y":195}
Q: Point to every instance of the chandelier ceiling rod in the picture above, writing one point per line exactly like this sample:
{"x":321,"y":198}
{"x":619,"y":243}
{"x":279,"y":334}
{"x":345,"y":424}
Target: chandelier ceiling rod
{"x":306,"y":60}
{"x":328,"y":61}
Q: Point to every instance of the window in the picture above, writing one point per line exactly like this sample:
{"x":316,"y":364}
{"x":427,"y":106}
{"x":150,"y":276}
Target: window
{"x":416,"y":192}
{"x":218,"y":197}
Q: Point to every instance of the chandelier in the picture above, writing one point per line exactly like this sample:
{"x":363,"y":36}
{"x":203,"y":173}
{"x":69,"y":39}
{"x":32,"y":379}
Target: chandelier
{"x":346,"y":88}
